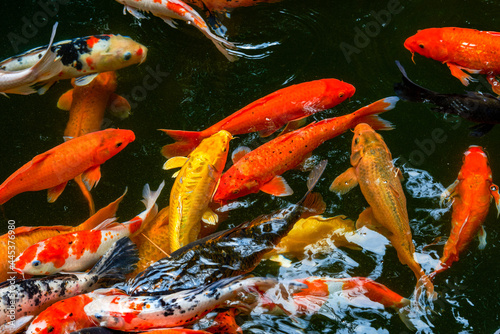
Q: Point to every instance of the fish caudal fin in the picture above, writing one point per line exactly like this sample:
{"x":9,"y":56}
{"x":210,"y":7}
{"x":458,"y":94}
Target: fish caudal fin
{"x":118,"y":261}
{"x":369,"y":113}
{"x":410,"y":91}
{"x":149,"y":200}
{"x":186,"y":142}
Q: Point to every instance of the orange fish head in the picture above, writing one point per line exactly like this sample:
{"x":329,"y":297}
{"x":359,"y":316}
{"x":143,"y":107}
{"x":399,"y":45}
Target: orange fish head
{"x":119,"y":52}
{"x":428,"y":43}
{"x":475,"y":161}
{"x":114,"y":140}
{"x":338,"y":91}
{"x":364,"y":138}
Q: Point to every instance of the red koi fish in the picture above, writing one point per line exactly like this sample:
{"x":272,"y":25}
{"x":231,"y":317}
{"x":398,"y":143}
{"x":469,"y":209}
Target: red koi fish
{"x":461,"y":49}
{"x":267,"y":114}
{"x":80,"y":250}
{"x":168,"y":10}
{"x":471,"y":194}
{"x":261,"y":168}
{"x":53,"y":169}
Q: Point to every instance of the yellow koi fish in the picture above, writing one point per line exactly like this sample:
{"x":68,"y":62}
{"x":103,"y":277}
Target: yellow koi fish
{"x":380,"y":183}
{"x":194,"y":187}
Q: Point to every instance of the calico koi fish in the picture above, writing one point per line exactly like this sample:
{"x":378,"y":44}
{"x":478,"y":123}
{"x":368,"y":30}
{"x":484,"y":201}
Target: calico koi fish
{"x":128,"y":313}
{"x":269,"y":113}
{"x":481,"y":108}
{"x":25,"y":236}
{"x":82,"y":58}
{"x":223,"y":254}
{"x":194,"y":187}
{"x":373,"y":169}
{"x":53,"y":169}
{"x":471,"y":194}
{"x":80,"y":250}
{"x":34,"y":295}
{"x":461,"y":49}
{"x":20,"y":82}
{"x":168,"y":10}
{"x":261,"y":168}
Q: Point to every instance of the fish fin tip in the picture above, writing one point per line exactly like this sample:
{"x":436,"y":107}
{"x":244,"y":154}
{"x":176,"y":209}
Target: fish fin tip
{"x":91,"y":177}
{"x":239,"y":153}
{"x":85,"y":80}
{"x":277,"y":187}
{"x":175,"y":162}
{"x":54,"y":192}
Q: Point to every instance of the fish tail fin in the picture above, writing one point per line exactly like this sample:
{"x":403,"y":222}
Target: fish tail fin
{"x":186,"y":141}
{"x":410,"y":91}
{"x":145,"y":217}
{"x":405,"y":314}
{"x":118,"y":261}
{"x":222,"y":45}
{"x":369,"y":113}
{"x":424,"y":283}
{"x":48,"y":66}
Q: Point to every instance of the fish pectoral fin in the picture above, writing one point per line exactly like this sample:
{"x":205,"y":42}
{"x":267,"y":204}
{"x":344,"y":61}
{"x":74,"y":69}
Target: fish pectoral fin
{"x":85,"y":80}
{"x":21,"y":90}
{"x":482,"y":238}
{"x":91,"y":177}
{"x":107,"y":223}
{"x":457,"y":72}
{"x":65,"y":101}
{"x":134,"y":12}
{"x":345,"y":181}
{"x":175,"y":162}
{"x":480,"y":130}
{"x":269,"y":130}
{"x":239,"y":153}
{"x":277,"y":187}
{"x":494,"y":191}
{"x":292,"y":126}
{"x":210,"y":217}
{"x":119,"y":106}
{"x":448,"y":193}
{"x":169,"y":21}
{"x":366,"y":218}
{"x":54,"y":192}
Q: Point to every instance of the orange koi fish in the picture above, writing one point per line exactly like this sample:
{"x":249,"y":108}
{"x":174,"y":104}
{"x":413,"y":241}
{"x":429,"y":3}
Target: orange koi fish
{"x":379,"y":180}
{"x":80,"y":250}
{"x":461,"y":49}
{"x":471,"y":194}
{"x":268,"y":114}
{"x":261,"y":168}
{"x":24,"y":236}
{"x":86,"y":105}
{"x":168,"y":10}
{"x":194,"y":187}
{"x":53,"y":169}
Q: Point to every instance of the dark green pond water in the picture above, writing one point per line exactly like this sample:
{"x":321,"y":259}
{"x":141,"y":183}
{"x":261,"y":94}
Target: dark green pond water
{"x":286,"y":43}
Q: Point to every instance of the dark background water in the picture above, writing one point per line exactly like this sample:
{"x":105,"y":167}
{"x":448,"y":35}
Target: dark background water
{"x":286,"y":43}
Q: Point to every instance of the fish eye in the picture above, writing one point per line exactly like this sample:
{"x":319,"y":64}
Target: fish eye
{"x":493,"y":188}
{"x":421,"y":45}
{"x":356,"y":141}
{"x":341,"y":94}
{"x":118,"y":145}
{"x":127,"y":55}
{"x":36,"y":263}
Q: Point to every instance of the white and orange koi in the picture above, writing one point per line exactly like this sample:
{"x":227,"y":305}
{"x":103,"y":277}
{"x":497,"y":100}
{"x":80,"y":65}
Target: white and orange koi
{"x":177,"y":9}
{"x":81,"y":58}
{"x":80,"y":250}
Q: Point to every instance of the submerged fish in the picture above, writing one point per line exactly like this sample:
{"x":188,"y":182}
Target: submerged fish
{"x":373,"y":169}
{"x":20,"y":82}
{"x":269,"y":113}
{"x":194,"y":187}
{"x":82,"y":58}
{"x":471,"y":194}
{"x":224,"y":254}
{"x":461,"y":49}
{"x":134,"y":313}
{"x":481,"y":108}
{"x":168,"y":10}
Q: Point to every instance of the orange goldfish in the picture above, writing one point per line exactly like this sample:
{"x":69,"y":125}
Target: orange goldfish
{"x":86,"y":105}
{"x":268,"y":113}
{"x":461,"y":49}
{"x":25,"y":236}
{"x":379,"y":180}
{"x":261,"y":168}
{"x":194,"y":187}
{"x":79,"y":250}
{"x":471,"y":194}
{"x":53,"y":169}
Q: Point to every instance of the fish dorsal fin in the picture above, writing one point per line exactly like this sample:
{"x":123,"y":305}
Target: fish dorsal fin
{"x":54,"y":192}
{"x":175,"y":162}
{"x":448,"y":193}
{"x":277,"y":187}
{"x":108,"y":223}
{"x":239,"y":153}
{"x":65,"y":101}
{"x":85,"y":80}
{"x":119,"y":106}
{"x":344,"y":182}
{"x":210,"y":217}
{"x":91,"y":177}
